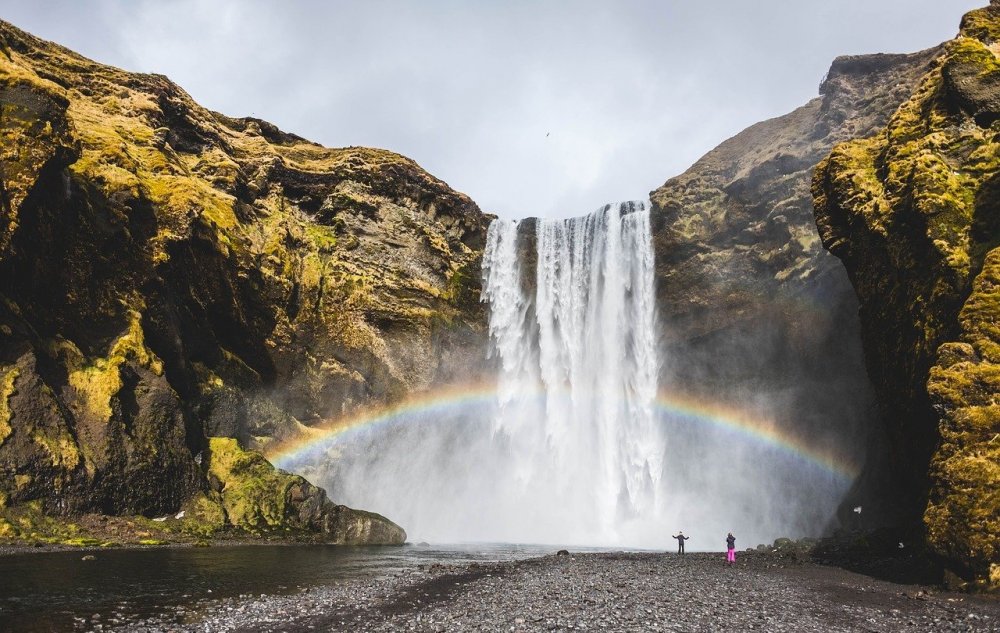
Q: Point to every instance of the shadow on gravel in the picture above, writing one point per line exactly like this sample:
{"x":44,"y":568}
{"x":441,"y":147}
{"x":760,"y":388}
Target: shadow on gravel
{"x":438,"y":589}
{"x":887,"y":554}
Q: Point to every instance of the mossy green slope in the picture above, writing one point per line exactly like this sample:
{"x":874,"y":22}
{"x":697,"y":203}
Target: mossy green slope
{"x":914,"y":213}
{"x":170,"y":274}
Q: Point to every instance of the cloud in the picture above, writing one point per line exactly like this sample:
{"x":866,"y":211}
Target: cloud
{"x":532,"y":108}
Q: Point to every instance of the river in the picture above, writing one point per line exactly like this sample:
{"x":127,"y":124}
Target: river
{"x":59,"y":591}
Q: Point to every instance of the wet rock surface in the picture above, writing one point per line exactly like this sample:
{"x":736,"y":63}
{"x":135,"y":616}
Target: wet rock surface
{"x":604,"y":592}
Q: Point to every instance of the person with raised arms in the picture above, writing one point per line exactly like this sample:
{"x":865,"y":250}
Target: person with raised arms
{"x":680,"y":541}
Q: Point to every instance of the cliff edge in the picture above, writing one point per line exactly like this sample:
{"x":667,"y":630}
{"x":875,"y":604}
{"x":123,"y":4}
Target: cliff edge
{"x":914,"y":214}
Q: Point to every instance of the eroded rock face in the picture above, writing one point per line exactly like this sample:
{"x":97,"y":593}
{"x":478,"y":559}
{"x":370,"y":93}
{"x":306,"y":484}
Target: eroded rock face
{"x":754,"y":310}
{"x":739,"y":224}
{"x":914,"y":214}
{"x":170,"y":273}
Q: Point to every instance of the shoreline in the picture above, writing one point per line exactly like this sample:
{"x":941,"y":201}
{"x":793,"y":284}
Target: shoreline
{"x":479,"y":587}
{"x":26,"y":529}
{"x":47,"y":548}
{"x":604,"y":591}
{"x":877,"y":557}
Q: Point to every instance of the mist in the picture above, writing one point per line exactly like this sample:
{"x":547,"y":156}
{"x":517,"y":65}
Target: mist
{"x":591,"y":432}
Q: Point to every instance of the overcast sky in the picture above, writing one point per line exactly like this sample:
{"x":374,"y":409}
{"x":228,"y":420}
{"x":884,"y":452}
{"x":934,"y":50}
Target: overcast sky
{"x":531,"y":108}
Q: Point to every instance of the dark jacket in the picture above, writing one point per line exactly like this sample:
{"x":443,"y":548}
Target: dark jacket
{"x":731,"y":541}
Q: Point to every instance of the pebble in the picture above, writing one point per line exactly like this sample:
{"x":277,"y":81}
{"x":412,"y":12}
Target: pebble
{"x":598,"y":592}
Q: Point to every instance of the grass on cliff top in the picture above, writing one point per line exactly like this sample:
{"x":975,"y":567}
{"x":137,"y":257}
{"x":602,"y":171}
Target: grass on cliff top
{"x":121,"y":153}
{"x":14,"y":70}
{"x":982,"y":24}
{"x":318,"y":159}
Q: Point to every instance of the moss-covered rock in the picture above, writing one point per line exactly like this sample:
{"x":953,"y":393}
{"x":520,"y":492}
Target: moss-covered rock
{"x":913,"y":212}
{"x":254,"y":497}
{"x":28,"y":523}
{"x":171,"y":273}
{"x":963,"y":510}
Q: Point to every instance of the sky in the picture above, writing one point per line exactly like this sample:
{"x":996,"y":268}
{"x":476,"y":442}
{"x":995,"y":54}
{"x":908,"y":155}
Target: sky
{"x":533,"y":108}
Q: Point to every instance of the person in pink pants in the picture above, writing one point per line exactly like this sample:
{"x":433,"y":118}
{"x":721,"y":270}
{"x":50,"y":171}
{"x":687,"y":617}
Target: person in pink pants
{"x":731,"y":549}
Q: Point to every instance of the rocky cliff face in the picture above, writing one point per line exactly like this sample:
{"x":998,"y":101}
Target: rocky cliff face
{"x":170,"y":274}
{"x":754,"y":309}
{"x":914,"y":214}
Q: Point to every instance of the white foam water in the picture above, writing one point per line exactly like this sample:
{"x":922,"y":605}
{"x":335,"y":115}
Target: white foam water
{"x":574,"y":449}
{"x":576,"y":345}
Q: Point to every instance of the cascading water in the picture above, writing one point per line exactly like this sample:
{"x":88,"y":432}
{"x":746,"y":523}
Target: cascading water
{"x":578,"y":367}
{"x":575,"y":445}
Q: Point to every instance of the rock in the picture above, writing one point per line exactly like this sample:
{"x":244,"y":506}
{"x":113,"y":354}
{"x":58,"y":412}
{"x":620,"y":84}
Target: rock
{"x":89,"y":557}
{"x":749,"y":298}
{"x":205,"y":277}
{"x":257,"y":498}
{"x":913,"y":214}
{"x":358,"y":527}
{"x":562,"y":552}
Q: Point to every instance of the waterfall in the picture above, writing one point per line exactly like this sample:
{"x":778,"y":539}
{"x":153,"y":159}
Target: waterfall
{"x":575,"y":445}
{"x":575,"y":344}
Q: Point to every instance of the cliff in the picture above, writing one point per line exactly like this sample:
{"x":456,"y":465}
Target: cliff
{"x":914,"y":213}
{"x":743,"y":212}
{"x":755,"y":311}
{"x":172,"y":275}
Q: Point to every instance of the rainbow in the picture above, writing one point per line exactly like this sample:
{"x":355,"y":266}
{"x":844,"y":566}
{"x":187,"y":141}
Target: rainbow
{"x":315,"y":440}
{"x":671,"y":407}
{"x":758,"y":429}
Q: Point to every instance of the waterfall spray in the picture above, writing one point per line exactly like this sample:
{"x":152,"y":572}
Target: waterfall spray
{"x":570,"y":444}
{"x":583,"y":335}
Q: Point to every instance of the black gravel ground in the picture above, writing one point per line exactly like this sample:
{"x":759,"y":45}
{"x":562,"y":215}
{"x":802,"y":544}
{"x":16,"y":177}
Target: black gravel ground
{"x":605,"y":592}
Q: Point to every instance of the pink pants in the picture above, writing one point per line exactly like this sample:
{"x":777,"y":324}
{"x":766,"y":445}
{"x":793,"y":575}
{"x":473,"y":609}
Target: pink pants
{"x":731,"y":555}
